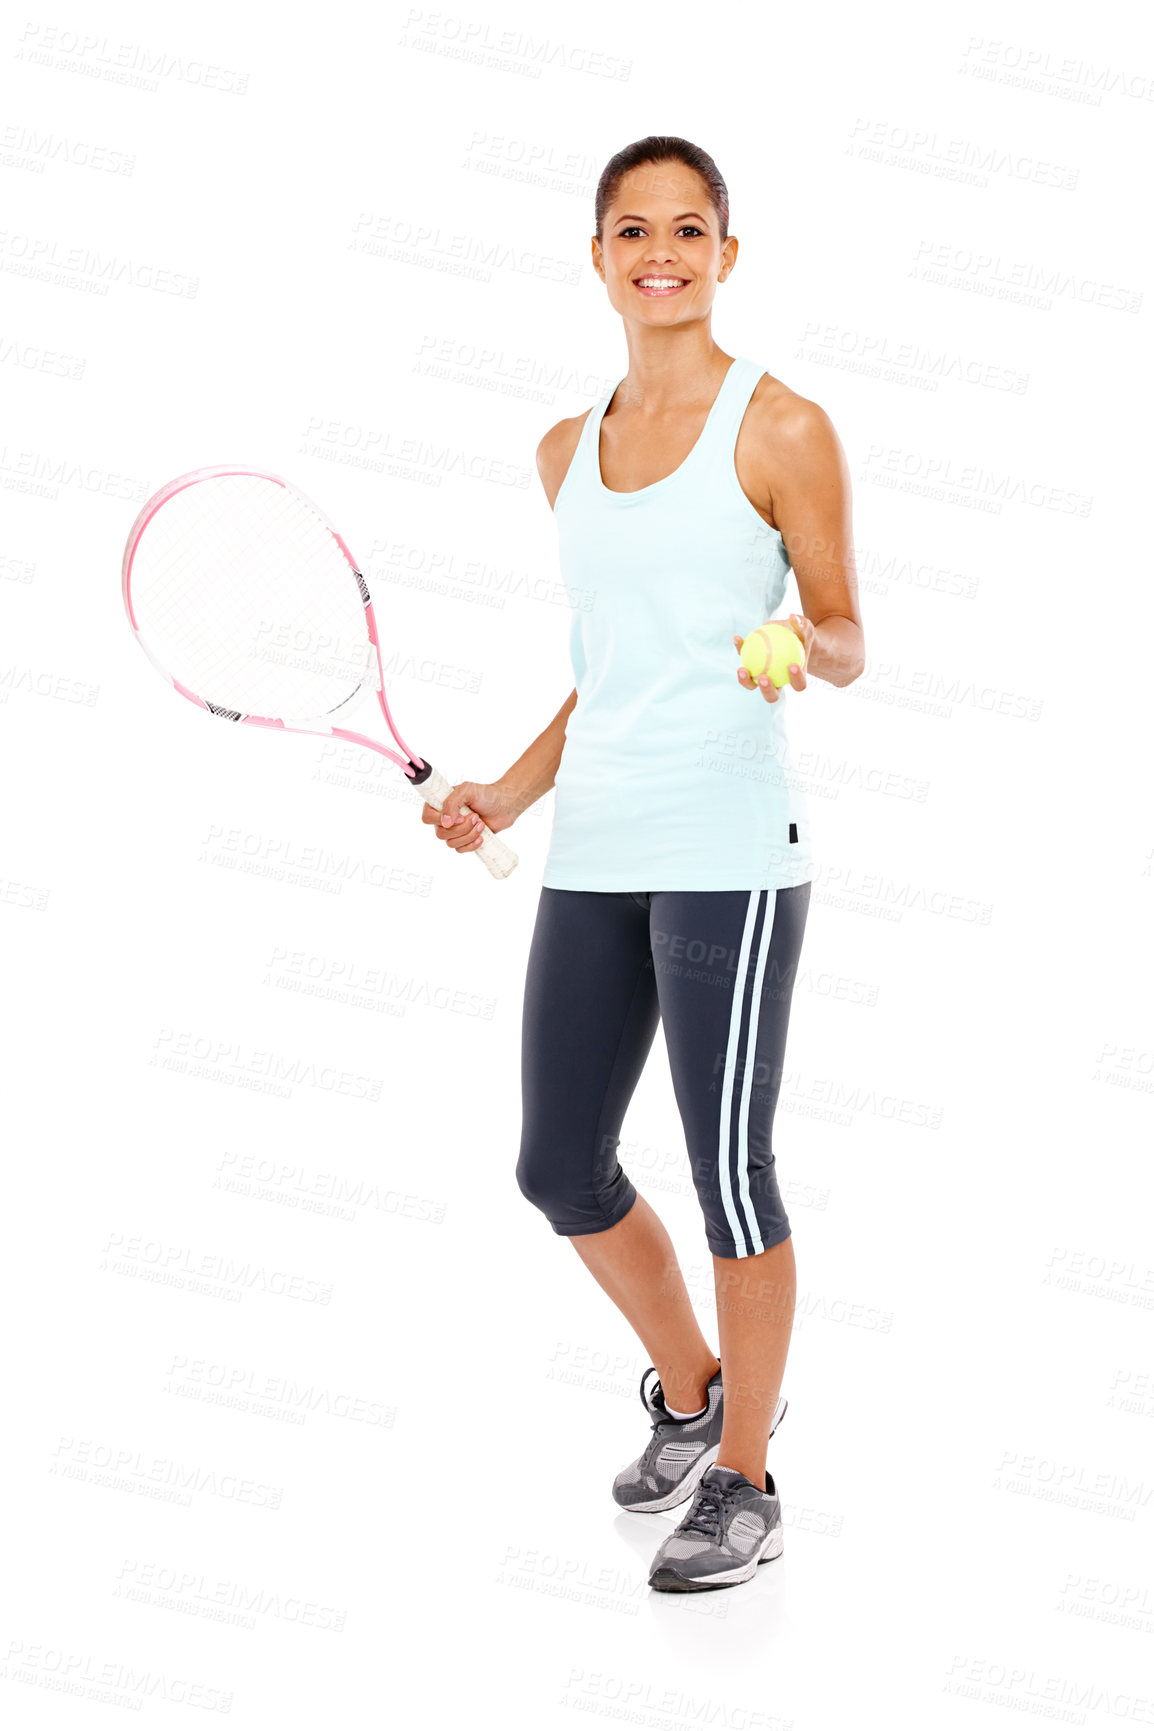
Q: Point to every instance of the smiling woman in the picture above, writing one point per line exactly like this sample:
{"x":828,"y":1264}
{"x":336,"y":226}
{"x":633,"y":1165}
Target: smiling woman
{"x":677,"y":882}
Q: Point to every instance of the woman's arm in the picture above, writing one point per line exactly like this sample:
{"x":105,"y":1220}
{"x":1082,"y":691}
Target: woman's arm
{"x":501,"y":802}
{"x":813,"y":509}
{"x":804,"y":482}
{"x":535,"y":770}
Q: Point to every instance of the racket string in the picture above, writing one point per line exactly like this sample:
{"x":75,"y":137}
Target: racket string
{"x":242,"y":592}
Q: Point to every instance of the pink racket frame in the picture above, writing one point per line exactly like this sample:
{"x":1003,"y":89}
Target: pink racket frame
{"x":428,"y":783}
{"x":411,"y":761}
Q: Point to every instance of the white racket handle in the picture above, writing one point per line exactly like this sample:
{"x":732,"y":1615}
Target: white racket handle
{"x":493,"y":854}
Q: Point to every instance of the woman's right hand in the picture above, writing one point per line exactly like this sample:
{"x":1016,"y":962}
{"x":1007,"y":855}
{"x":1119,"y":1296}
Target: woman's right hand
{"x":491,"y":801}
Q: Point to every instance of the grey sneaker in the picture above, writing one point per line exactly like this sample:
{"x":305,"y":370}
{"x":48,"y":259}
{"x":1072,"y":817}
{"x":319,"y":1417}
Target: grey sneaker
{"x":679,"y":1451}
{"x":730,"y":1529}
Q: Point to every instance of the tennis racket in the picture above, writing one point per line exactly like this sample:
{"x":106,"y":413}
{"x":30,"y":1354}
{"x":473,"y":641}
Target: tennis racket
{"x":245,"y":598}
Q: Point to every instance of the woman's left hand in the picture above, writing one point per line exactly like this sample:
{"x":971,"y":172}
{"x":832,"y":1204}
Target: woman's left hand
{"x":801,"y":627}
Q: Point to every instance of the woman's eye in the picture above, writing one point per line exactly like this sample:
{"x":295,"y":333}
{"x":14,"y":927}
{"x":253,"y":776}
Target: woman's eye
{"x":686,"y":228}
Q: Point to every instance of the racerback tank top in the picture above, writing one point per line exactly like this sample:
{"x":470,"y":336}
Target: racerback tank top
{"x":673,"y":776}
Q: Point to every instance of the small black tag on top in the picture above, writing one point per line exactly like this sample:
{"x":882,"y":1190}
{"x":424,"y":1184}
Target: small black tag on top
{"x":793,"y":832}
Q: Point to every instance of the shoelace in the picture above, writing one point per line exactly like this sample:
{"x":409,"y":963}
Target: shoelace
{"x":707,"y":1511}
{"x":661,"y":1416}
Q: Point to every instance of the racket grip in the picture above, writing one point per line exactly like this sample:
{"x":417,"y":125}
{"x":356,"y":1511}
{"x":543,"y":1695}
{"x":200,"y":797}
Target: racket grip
{"x":493,"y":854}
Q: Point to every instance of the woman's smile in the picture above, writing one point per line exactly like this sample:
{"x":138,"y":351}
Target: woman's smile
{"x":658,"y":285}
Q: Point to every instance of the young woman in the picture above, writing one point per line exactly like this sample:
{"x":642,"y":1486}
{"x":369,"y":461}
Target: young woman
{"x":679,"y":869}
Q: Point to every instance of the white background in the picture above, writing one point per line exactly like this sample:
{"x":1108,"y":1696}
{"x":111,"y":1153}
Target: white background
{"x":310,"y":1418}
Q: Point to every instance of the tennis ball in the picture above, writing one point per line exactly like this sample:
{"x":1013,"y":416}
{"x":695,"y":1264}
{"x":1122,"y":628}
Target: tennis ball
{"x":770,"y":649}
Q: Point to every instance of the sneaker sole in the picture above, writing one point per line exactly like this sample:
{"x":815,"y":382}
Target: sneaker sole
{"x":682,"y":1492}
{"x":667,"y":1579}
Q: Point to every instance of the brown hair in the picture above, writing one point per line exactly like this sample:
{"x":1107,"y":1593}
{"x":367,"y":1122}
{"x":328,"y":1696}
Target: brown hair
{"x":658,"y":148}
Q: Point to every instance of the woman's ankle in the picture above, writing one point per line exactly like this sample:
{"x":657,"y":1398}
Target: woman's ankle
{"x":687,"y":1394}
{"x":747,"y":1469}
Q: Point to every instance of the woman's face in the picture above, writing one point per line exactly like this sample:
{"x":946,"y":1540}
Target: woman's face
{"x":662,"y":256}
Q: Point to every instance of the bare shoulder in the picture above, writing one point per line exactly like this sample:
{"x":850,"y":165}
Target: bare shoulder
{"x":555,"y":453}
{"x":787,"y":448}
{"x":784,"y":417}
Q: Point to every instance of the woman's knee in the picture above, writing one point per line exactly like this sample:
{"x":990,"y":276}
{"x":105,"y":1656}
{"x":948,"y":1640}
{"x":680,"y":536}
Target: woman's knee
{"x":574,"y":1189}
{"x":540,"y":1177}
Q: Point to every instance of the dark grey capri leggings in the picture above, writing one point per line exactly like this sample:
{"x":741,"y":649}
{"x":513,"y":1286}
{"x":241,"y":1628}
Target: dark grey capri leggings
{"x":717,"y":967}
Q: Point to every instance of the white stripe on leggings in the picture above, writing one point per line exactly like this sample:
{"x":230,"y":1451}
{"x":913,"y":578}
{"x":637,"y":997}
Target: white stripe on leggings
{"x":751,"y":1064}
{"x":731,"y":1054}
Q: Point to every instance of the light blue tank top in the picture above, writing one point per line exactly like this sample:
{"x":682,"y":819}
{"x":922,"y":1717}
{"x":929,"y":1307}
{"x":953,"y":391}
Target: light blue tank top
{"x":673,"y":776}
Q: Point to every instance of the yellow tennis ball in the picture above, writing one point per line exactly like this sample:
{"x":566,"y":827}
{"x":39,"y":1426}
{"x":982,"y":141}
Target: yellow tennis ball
{"x":770,"y":649}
